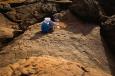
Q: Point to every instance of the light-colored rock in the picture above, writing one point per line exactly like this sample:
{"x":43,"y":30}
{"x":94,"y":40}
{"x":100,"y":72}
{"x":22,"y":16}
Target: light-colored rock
{"x":49,"y":66}
{"x":6,"y":32}
{"x":7,"y":27}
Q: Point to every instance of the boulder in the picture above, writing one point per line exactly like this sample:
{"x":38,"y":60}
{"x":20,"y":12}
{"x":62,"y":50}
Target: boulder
{"x":26,"y":15}
{"x":6,"y":32}
{"x":4,"y":7}
{"x":86,"y":9}
{"x":8,"y":29}
{"x":49,"y":66}
{"x":93,"y":10}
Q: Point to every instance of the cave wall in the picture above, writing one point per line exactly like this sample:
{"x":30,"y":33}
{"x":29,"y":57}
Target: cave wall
{"x":108,"y":6}
{"x":88,"y":10}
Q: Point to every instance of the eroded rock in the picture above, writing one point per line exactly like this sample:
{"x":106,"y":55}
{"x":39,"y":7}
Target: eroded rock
{"x":87,"y":9}
{"x":6,"y":33}
{"x":81,"y":43}
{"x":7,"y":29}
{"x":47,"y":66}
{"x":108,"y":6}
{"x":26,"y":15}
{"x":108,"y":31}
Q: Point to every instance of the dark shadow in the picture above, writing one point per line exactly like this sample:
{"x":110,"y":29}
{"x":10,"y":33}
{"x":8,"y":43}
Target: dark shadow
{"x":110,"y":57}
{"x":37,"y":35}
{"x":76,"y":25}
{"x":24,"y":75}
{"x":80,"y":28}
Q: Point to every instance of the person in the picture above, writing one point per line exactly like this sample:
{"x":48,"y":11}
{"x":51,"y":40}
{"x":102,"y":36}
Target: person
{"x":47,"y":25}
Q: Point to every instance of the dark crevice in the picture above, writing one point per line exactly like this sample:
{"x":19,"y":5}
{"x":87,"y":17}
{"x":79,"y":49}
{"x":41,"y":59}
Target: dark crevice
{"x":13,"y":5}
{"x":110,"y":56}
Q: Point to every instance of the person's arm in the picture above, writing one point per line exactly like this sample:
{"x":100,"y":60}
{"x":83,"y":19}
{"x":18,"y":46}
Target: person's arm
{"x":40,"y":23}
{"x":55,"y":23}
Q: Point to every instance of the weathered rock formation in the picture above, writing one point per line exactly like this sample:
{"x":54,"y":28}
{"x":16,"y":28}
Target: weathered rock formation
{"x":7,"y":29}
{"x":86,"y":9}
{"x":108,"y":6}
{"x":99,"y":11}
{"x":76,"y":43}
{"x":28,"y":12}
{"x":79,"y":42}
{"x":93,"y":10}
{"x":49,"y":66}
{"x":108,"y":31}
{"x":26,"y":15}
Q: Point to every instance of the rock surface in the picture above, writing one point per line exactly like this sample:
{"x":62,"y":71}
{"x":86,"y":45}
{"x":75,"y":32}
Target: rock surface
{"x":108,"y":31}
{"x":27,"y":15}
{"x":93,"y":9}
{"x":49,"y":66}
{"x":86,"y":9}
{"x":108,"y":6}
{"x":75,"y":42}
{"x":7,"y":29}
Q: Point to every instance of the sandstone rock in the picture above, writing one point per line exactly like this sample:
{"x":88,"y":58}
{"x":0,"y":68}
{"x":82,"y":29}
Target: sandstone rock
{"x":16,"y":1}
{"x":26,"y":15}
{"x":47,"y":66}
{"x":86,"y":9}
{"x":4,"y":7}
{"x":76,"y":41}
{"x":7,"y":27}
{"x":6,"y":33}
{"x":93,"y":9}
{"x":4,"y":22}
{"x":8,"y":30}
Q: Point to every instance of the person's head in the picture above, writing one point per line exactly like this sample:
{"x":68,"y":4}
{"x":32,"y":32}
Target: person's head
{"x":47,"y":19}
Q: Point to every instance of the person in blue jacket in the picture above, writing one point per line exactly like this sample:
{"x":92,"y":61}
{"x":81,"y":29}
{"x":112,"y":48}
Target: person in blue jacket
{"x":47,"y":25}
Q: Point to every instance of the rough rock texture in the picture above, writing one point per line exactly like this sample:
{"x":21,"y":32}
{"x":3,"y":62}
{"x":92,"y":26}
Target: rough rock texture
{"x":7,"y":5}
{"x":87,"y":9}
{"x":28,"y":12}
{"x":26,"y":15}
{"x":75,"y":42}
{"x":4,"y":22}
{"x":93,"y":9}
{"x":108,"y":6}
{"x":4,"y":7}
{"x":108,"y":31}
{"x":49,"y":66}
{"x":108,"y":34}
{"x":14,"y":1}
{"x":7,"y":29}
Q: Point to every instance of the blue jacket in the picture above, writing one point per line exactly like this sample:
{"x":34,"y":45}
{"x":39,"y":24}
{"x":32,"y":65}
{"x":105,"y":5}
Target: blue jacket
{"x":47,"y":27}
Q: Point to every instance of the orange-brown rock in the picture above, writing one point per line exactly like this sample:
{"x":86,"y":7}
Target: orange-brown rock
{"x":6,"y":32}
{"x":7,"y":27}
{"x":74,"y":40}
{"x":49,"y":66}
